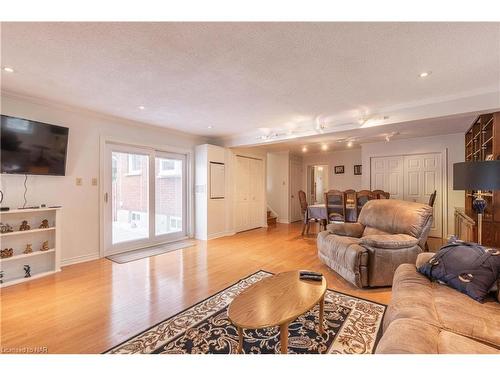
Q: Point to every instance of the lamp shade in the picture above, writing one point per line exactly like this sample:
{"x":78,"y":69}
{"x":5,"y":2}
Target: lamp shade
{"x":477,"y":175}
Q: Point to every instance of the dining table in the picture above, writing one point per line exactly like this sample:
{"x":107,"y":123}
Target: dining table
{"x":319,"y":211}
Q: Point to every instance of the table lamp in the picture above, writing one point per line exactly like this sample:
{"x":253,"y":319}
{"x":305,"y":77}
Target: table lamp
{"x":477,"y":176}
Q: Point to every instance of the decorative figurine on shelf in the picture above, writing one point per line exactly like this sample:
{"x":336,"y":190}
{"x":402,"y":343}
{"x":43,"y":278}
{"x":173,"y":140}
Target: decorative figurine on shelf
{"x":5,"y":228}
{"x":45,"y":246}
{"x":24,"y":225}
{"x":1,"y":277}
{"x":6,"y":253}
{"x":45,"y":224}
{"x":27,"y":270}
{"x":28,"y":249}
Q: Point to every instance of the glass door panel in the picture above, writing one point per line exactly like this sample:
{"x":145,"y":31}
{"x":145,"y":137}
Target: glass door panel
{"x":144,"y":199}
{"x":169,"y":195}
{"x":129,"y":196}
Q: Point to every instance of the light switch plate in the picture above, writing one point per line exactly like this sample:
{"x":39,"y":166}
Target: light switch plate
{"x":94,"y":181}
{"x":79,"y":181}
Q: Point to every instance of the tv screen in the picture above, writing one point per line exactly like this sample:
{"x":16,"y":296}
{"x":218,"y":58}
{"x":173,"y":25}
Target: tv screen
{"x":31,"y":147}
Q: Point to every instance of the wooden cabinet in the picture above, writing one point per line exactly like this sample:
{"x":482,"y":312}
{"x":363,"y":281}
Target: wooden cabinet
{"x":482,"y":142}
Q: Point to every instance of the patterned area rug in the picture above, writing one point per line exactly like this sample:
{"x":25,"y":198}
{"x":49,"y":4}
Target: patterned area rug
{"x":352,"y":326}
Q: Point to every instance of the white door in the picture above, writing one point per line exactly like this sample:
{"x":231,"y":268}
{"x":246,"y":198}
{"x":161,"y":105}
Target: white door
{"x":255,"y":194}
{"x":412,"y":178}
{"x":249,"y":213}
{"x":423,"y":176}
{"x":295,"y":186}
{"x":387,"y":175}
{"x":242,"y":193}
{"x":145,"y":198}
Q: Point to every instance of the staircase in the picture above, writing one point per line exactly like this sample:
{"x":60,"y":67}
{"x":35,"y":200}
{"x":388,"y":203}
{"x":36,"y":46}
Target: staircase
{"x":271,"y":220}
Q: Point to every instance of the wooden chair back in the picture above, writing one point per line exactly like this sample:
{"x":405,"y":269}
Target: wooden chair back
{"x":335,"y":205}
{"x":303,"y":201}
{"x":362,"y":197}
{"x":432,"y":198}
{"x":350,"y":205}
{"x":381,"y":194}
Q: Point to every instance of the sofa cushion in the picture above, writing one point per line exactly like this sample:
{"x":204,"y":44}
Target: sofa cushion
{"x":346,"y":229}
{"x":389,"y":241}
{"x":467,"y":267}
{"x":416,"y":297}
{"x":396,"y":216}
{"x":411,"y":336}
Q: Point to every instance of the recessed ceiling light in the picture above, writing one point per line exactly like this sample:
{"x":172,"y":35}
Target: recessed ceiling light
{"x":141,"y":107}
{"x":324,"y":147}
{"x":425,"y":74}
{"x":304,"y":149}
{"x":209,"y":126}
{"x":349,"y":144}
{"x":8,"y":69}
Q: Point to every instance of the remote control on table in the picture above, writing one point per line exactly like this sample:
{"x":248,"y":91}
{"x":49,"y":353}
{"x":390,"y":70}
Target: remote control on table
{"x":311,"y":277}
{"x":310,"y":273}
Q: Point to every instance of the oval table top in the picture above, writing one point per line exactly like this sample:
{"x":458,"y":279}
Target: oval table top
{"x":275,"y":300}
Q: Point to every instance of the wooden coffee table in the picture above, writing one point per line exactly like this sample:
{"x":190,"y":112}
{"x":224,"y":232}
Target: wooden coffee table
{"x":276,"y":301}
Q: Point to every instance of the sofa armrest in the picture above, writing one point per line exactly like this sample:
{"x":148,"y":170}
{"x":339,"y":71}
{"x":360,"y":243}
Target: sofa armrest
{"x":423,"y":258}
{"x":346,"y":229}
{"x":389,"y":241}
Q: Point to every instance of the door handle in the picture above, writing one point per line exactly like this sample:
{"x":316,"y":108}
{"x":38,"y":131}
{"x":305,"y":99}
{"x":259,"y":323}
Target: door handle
{"x":105,"y":197}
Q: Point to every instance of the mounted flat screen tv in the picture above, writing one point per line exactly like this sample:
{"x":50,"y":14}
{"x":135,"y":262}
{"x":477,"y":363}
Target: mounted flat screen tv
{"x":31,"y":147}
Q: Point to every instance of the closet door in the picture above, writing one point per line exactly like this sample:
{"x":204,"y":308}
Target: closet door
{"x":423,"y":175}
{"x":387,"y":174}
{"x":256,"y":211}
{"x":242,"y":220}
{"x":295,"y":186}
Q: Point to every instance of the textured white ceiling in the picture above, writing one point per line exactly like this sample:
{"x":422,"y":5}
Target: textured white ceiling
{"x":239,"y":77}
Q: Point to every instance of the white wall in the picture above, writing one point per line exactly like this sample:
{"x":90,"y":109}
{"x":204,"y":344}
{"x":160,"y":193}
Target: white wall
{"x":278,"y":184}
{"x":211,"y":214}
{"x":80,"y":228}
{"x":452,"y":143}
{"x":347,"y":158}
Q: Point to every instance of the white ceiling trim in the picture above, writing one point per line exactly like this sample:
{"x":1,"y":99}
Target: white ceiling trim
{"x":481,"y":101}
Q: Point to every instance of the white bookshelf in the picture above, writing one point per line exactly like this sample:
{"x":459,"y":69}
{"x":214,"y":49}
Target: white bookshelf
{"x":42,"y":263}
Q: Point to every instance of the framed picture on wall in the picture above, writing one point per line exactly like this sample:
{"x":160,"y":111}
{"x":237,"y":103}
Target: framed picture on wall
{"x":357,"y":170}
{"x":339,"y":169}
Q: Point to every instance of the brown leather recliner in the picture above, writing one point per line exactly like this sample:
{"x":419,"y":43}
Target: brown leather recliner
{"x":388,"y":233}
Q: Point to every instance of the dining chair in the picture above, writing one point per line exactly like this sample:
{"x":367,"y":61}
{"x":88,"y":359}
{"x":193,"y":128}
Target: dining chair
{"x":306,"y":222}
{"x":335,"y":205}
{"x":350,"y":205}
{"x":362,"y":197}
{"x":432,"y":198}
{"x":381,"y":194}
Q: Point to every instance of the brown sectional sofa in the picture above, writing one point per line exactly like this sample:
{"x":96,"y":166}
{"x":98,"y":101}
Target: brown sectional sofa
{"x":388,"y":233}
{"x":427,"y":317}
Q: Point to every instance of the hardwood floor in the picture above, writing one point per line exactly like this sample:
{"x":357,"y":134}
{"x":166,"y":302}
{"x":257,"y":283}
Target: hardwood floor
{"x":93,"y":306}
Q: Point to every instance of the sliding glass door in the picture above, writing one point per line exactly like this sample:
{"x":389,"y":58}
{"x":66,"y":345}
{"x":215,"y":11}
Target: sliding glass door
{"x":145,"y":197}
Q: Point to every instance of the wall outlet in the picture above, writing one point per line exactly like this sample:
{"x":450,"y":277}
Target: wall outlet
{"x":94,"y":181}
{"x":79,"y":181}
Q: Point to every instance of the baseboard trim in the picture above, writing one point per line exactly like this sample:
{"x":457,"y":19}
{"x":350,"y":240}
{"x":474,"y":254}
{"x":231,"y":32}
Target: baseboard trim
{"x":219,"y":235}
{"x":79,"y":259}
{"x":282,"y":221}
